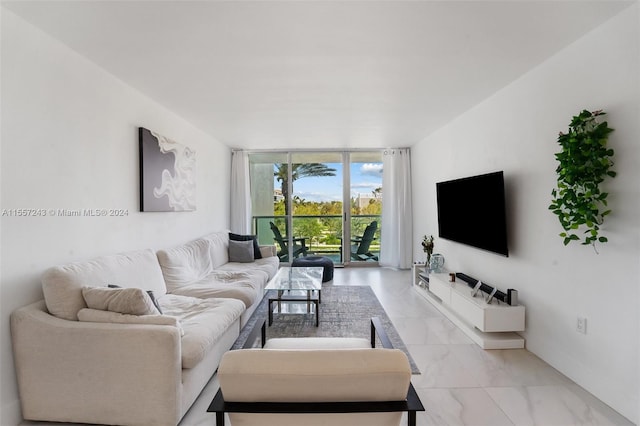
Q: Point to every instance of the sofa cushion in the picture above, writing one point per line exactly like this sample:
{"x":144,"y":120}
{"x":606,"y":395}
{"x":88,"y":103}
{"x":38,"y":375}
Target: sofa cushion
{"x":219,"y":248}
{"x":241,"y":251}
{"x":95,"y":315}
{"x":62,"y":285}
{"x":256,"y":248}
{"x":263,"y":269}
{"x":186,"y":263}
{"x":244,"y":286}
{"x":204,"y":321}
{"x":132,"y":301}
{"x":268,"y":250}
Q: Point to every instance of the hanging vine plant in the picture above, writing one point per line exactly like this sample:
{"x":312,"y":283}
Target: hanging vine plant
{"x":584,"y":163}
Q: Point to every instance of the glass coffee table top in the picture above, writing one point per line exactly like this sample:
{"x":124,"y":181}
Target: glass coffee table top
{"x":289,"y":281}
{"x":298,"y":278}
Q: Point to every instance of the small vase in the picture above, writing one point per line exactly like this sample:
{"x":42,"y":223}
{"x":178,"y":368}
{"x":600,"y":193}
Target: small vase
{"x":436,"y":262}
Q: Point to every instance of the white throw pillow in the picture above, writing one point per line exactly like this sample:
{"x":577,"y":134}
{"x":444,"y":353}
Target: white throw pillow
{"x":133,"y":301}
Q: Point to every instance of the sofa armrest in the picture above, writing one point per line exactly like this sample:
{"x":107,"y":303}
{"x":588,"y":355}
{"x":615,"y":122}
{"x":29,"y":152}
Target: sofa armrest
{"x":71,"y":371}
{"x":268,"y":250}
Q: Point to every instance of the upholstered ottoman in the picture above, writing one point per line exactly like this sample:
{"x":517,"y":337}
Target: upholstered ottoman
{"x":311,"y":261}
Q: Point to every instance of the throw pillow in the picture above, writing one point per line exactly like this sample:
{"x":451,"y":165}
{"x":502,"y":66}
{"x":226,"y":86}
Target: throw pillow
{"x":241,"y":251}
{"x":149,"y":292}
{"x":133,"y":301}
{"x":256,"y":246}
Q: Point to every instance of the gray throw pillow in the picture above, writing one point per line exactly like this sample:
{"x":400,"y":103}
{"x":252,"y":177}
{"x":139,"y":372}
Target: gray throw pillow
{"x":256,"y":247}
{"x":241,"y":251}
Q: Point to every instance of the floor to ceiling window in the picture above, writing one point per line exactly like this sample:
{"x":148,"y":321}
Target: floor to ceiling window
{"x":299,"y":198}
{"x":365,"y":198}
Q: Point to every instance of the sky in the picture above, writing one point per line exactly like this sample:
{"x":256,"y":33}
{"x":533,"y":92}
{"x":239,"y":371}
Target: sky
{"x":365,"y":177}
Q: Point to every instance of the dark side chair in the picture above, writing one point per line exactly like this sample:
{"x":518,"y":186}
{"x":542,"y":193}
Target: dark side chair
{"x":360,"y":250}
{"x":299,"y":245}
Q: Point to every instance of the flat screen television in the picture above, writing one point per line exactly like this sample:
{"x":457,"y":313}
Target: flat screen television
{"x":472,"y":211}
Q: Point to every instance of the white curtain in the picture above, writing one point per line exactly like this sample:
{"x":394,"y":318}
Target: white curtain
{"x":240,"y":193}
{"x":396,"y":232}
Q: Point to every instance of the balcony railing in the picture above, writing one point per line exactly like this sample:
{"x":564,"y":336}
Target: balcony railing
{"x":322,"y":234}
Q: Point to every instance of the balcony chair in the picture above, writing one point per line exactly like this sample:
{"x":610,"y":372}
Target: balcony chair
{"x":316,"y":381}
{"x":360,"y":250}
{"x":299,"y":245}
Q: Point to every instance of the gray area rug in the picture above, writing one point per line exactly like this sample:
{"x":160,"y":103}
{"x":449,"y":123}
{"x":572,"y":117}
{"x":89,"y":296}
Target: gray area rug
{"x":345,"y":311}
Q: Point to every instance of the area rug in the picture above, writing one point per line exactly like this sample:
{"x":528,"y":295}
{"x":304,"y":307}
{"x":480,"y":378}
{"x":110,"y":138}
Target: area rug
{"x":345,"y":311}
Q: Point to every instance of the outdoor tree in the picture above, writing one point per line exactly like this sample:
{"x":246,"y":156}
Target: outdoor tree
{"x":298,"y":171}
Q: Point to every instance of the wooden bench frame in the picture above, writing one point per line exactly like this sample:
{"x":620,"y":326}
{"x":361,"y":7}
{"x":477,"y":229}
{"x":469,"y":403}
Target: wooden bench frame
{"x":411,"y":404}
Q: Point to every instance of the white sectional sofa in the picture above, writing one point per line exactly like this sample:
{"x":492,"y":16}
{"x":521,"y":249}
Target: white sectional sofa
{"x":201,"y":268}
{"x":76,"y":362}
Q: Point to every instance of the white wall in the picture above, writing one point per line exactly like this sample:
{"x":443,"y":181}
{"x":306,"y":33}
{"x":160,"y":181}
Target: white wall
{"x":516,"y":130}
{"x":70,"y":141}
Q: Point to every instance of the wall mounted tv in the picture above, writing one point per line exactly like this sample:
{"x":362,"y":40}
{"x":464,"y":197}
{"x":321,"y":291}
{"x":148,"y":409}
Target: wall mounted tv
{"x":471,"y":211}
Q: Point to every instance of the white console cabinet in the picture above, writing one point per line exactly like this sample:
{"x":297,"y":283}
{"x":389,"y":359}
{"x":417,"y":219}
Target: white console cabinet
{"x":491,"y":326}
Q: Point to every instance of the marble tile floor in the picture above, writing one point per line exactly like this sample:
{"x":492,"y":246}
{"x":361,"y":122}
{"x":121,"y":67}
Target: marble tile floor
{"x":460,"y":383}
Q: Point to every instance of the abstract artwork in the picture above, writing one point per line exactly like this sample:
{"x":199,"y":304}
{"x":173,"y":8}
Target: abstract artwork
{"x":167,"y":174}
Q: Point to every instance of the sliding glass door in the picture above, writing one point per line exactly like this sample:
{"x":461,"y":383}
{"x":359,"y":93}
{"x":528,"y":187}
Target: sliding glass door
{"x":318,"y":204}
{"x":317,"y":201}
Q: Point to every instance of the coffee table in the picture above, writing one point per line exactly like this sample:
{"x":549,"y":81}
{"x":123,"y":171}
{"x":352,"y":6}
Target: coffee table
{"x":307,"y":280}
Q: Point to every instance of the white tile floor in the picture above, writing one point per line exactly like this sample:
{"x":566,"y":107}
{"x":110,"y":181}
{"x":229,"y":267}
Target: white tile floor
{"x":460,"y":383}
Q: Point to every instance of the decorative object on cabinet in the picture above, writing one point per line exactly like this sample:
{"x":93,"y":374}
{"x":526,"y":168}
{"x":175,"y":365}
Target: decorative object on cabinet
{"x":585,"y":162}
{"x":420,"y":275}
{"x":427,"y":246}
{"x":436,"y":263}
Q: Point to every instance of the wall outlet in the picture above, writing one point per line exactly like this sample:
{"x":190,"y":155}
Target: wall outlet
{"x":581,"y":326}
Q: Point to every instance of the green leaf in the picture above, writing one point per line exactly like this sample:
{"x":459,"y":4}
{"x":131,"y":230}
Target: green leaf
{"x":603,"y":239}
{"x":584,"y":162}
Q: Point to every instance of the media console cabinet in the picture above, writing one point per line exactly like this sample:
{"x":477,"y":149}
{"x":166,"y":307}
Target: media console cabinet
{"x":491,"y":326}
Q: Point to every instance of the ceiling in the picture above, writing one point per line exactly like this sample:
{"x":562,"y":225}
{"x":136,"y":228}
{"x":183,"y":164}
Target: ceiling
{"x":309,"y":74}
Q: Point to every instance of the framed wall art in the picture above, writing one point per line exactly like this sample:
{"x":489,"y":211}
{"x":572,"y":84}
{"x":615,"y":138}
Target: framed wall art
{"x":167,"y":174}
